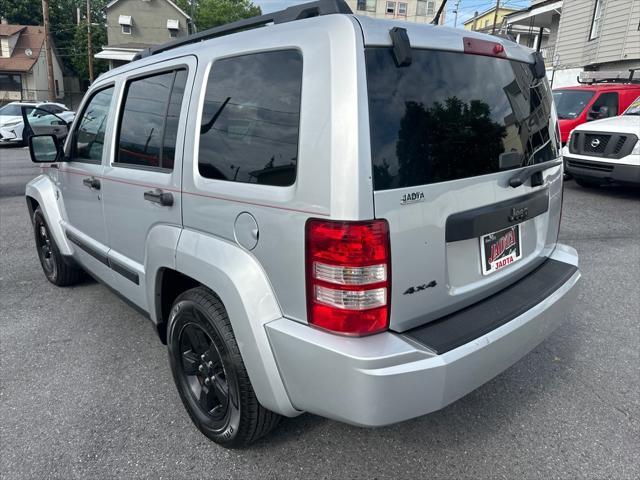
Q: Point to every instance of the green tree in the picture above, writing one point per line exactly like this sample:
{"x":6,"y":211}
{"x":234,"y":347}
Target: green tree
{"x":211,"y":13}
{"x":78,"y":52}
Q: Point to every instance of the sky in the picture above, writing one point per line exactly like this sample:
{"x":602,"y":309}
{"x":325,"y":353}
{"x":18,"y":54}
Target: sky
{"x":467,"y":7}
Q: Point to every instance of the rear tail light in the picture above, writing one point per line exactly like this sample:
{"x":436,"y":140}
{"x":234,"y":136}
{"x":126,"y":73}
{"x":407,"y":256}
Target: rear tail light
{"x":476,"y":46}
{"x":348,"y":276}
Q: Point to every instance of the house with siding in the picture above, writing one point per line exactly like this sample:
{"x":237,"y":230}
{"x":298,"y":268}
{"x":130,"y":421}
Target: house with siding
{"x":23,"y":66}
{"x":134,"y":25}
{"x":585,"y":36}
{"x":421,"y":11}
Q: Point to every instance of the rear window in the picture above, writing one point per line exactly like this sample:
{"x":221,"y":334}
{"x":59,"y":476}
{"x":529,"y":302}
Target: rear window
{"x":451,"y":115}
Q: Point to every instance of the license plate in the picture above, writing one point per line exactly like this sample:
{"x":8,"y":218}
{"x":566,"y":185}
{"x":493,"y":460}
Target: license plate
{"x":500,"y":249}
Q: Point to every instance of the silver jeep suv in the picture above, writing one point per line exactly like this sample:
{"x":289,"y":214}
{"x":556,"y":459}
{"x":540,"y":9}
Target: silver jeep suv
{"x":351,"y":217}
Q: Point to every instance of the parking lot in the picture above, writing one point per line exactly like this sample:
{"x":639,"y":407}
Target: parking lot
{"x":86,"y":391}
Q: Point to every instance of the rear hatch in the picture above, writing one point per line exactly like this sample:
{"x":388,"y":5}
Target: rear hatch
{"x":449,"y":133}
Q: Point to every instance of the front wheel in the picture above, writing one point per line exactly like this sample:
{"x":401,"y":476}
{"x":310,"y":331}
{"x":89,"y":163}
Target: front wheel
{"x":54,"y":267}
{"x":209,"y":372}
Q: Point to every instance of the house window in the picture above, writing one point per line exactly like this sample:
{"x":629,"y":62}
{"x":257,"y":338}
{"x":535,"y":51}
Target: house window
{"x":366,"y":5}
{"x":125,"y":22}
{"x":57,"y":88}
{"x":596,"y":23}
{"x":173,"y":26}
{"x":431,"y":8}
{"x":402,"y":9}
{"x":10,"y":82}
{"x":391,"y":8}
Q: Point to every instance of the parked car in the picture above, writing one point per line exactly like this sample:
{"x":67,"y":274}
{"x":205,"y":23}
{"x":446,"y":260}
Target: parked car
{"x":596,"y":101}
{"x":44,"y":117}
{"x":351,"y":217}
{"x":606,"y":151}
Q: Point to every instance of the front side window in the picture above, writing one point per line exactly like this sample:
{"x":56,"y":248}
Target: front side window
{"x":451,"y":115}
{"x":571,"y":103}
{"x":605,"y":106}
{"x":89,"y":137}
{"x":149,"y":120}
{"x":251,"y":118}
{"x":596,"y":23}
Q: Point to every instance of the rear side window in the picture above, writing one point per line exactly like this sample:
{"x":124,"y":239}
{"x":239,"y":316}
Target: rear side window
{"x":89,"y":137}
{"x":451,"y":115}
{"x":149,"y":120}
{"x":251,"y":117}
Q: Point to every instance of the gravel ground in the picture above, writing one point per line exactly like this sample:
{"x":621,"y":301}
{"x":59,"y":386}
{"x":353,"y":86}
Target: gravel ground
{"x":86,"y":392}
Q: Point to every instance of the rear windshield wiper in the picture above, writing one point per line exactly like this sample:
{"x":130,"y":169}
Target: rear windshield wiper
{"x":524,"y":174}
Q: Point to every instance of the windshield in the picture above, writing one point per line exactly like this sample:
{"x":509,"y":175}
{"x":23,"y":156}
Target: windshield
{"x":571,"y":103}
{"x":634,"y":108}
{"x":451,"y":115}
{"x":11,"y":110}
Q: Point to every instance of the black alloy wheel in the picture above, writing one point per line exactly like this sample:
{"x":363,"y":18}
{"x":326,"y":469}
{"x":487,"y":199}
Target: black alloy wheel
{"x":203,"y":371}
{"x":209,"y":373}
{"x":55,"y":268}
{"x":45,"y":249}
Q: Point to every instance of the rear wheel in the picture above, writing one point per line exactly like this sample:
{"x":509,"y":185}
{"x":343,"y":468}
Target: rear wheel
{"x":54,"y":267}
{"x":209,"y":372}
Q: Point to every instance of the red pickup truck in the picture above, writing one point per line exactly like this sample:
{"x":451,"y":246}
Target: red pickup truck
{"x":577,"y":105}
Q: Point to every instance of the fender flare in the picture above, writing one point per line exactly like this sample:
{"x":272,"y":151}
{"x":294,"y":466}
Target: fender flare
{"x":43,"y":190}
{"x":242,"y":286}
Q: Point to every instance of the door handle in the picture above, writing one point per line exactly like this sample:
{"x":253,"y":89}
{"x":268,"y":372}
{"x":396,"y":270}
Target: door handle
{"x":91,"y":182}
{"x":158,"y":196}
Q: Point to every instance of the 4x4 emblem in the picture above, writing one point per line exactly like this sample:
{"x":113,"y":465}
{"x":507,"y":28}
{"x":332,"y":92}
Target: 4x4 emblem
{"x":518,"y":214}
{"x":595,"y":142}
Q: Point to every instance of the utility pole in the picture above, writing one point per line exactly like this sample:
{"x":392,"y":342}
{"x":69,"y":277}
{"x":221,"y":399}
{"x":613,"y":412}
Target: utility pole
{"x":89,"y":43}
{"x":455,"y":19}
{"x":47,"y":50}
{"x":495,"y":17}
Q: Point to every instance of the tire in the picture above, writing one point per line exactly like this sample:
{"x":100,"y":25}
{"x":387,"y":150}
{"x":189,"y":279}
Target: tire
{"x":53,"y":265}
{"x":206,"y":363}
{"x":587,"y":183}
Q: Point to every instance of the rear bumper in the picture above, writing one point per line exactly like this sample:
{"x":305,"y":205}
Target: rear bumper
{"x":603,"y":170}
{"x":389,"y":377}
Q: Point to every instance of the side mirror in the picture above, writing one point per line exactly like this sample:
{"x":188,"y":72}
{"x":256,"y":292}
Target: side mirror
{"x":44,"y":149}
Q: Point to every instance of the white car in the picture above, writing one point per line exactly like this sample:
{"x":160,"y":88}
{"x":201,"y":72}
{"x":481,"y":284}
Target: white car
{"x":53,"y":117}
{"x":606,"y":151}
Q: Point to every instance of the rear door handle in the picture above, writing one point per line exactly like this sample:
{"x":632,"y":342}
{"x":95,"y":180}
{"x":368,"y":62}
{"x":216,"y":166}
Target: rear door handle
{"x":158,"y":196}
{"x":91,"y":182}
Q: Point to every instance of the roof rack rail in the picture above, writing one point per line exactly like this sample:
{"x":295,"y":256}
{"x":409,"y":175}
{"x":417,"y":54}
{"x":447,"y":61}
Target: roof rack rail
{"x":289,"y":14}
{"x":604,"y":76}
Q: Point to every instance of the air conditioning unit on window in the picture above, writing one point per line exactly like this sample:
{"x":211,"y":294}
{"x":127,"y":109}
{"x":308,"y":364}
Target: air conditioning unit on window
{"x":125,"y":20}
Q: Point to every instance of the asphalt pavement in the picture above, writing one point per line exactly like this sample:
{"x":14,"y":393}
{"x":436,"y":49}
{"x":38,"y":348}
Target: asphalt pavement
{"x":86,"y":391}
